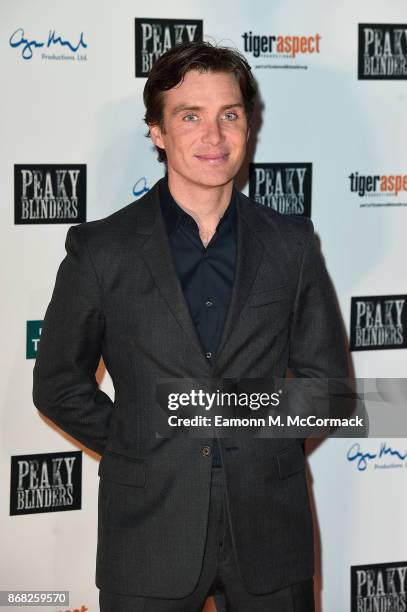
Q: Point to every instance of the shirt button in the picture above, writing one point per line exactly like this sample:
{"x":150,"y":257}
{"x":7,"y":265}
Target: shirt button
{"x":206,"y":451}
{"x":205,"y":253}
{"x":208,"y":303}
{"x":208,"y":355}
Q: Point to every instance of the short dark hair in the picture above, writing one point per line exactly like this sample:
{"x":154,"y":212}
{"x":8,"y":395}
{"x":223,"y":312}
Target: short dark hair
{"x":171,"y":67}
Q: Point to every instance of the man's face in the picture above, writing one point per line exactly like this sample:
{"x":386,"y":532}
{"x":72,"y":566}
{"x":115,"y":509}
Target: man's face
{"x":204,"y":130}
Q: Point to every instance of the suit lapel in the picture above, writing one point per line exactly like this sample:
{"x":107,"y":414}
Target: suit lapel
{"x":248,"y":257}
{"x":153,"y":246}
{"x":152,"y":241}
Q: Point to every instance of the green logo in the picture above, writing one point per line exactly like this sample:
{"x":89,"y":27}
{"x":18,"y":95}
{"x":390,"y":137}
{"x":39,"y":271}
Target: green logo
{"x":33,"y":338}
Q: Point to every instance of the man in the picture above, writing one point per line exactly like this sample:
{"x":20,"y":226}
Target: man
{"x":193,"y":281}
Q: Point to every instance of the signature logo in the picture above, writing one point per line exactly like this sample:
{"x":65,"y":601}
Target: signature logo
{"x":140,"y":187}
{"x":18,"y":39}
{"x":362,"y":459}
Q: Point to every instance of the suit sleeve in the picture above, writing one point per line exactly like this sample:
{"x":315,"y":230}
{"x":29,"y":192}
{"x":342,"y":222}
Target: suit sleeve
{"x":64,"y":384}
{"x":318,"y":347}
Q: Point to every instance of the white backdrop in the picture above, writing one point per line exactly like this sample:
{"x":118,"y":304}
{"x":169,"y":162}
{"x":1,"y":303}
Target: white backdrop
{"x":57,"y":111}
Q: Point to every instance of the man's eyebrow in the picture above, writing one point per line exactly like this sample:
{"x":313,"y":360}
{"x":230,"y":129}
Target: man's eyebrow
{"x":185,"y":107}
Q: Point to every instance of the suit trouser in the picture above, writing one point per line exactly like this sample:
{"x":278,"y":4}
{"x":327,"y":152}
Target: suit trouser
{"x":219,"y":576}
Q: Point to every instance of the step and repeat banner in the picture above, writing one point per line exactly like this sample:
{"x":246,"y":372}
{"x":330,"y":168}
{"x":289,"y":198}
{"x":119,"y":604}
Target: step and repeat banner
{"x":329,"y":143}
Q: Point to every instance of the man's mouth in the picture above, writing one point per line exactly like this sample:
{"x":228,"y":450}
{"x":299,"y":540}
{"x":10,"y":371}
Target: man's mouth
{"x":213,"y":159}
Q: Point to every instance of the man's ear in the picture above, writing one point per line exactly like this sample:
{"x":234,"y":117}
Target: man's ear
{"x":156,"y":135}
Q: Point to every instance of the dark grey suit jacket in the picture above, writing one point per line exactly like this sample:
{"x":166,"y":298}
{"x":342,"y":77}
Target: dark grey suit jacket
{"x":117,"y":295}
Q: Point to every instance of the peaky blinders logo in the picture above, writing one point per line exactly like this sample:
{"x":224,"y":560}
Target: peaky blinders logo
{"x":55,"y":193}
{"x":50,"y":482}
{"x":382,"y":51}
{"x":379,"y":587}
{"x":156,"y":36}
{"x":285,"y":187}
{"x":378,"y":322}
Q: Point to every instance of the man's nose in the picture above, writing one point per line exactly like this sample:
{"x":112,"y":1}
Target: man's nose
{"x":213,"y":133}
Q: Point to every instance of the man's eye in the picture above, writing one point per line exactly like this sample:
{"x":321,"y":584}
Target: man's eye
{"x":230,"y":116}
{"x":190,"y":117}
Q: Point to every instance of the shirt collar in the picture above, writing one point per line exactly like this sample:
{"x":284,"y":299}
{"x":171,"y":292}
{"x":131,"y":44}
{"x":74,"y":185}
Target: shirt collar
{"x":173,"y":214}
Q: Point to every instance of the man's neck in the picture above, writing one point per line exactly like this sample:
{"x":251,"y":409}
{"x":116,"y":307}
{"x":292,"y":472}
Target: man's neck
{"x":205,"y":204}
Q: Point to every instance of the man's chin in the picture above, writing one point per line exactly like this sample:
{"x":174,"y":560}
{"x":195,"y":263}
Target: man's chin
{"x":214,"y":178}
{"x":214,"y":182}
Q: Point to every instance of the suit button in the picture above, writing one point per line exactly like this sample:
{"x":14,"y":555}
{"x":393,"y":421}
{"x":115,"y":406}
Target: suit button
{"x":206,"y":451}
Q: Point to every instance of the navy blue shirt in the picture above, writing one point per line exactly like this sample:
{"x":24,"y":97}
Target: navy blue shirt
{"x":206,"y":273}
